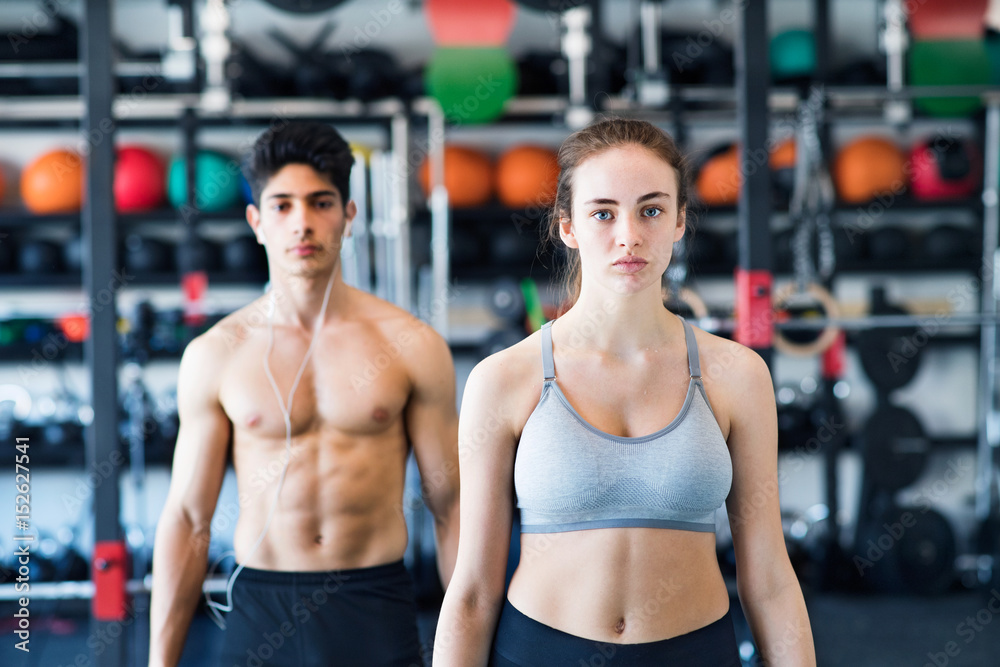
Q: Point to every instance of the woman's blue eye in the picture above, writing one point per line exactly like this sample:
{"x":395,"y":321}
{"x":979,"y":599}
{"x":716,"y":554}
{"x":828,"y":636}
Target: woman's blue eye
{"x":602,"y":215}
{"x":652,"y":211}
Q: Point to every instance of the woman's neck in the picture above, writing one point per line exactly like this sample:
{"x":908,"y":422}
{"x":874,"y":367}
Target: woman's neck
{"x":618,"y":323}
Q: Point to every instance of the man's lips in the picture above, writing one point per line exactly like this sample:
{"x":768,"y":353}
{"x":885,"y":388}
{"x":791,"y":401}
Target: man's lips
{"x":304,"y":249}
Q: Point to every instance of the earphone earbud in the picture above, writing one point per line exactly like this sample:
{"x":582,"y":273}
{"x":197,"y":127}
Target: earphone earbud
{"x":262,"y":235}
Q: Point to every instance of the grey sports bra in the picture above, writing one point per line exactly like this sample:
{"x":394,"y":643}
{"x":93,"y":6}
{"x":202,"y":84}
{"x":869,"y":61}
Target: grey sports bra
{"x":570,"y":475}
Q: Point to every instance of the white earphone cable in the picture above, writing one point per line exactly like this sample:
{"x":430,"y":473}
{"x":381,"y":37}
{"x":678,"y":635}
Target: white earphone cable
{"x":286,"y":412}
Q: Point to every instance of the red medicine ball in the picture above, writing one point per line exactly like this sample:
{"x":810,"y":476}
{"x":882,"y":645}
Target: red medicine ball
{"x":945,"y":169}
{"x":140,"y":180}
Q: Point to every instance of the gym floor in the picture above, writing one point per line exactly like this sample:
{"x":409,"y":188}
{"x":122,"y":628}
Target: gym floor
{"x":850,"y":631}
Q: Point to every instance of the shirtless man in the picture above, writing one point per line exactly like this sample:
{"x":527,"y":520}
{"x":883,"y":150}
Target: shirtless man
{"x":322,"y":581}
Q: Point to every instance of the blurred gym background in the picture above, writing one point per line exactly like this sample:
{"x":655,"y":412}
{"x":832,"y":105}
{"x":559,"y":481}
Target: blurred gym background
{"x":845,"y":152}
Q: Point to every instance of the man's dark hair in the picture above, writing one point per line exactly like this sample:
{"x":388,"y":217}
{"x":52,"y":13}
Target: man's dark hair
{"x":317,"y":145}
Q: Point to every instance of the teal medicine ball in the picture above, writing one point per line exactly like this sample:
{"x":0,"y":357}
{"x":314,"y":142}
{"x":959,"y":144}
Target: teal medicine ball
{"x":217,"y":182}
{"x":793,"y":55}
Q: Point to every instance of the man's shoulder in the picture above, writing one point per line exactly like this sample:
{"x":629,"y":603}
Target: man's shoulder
{"x":227,"y":335}
{"x":393,"y":323}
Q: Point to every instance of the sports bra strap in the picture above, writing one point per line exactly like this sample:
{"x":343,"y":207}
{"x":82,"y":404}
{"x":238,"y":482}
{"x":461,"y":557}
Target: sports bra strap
{"x":549,"y":369}
{"x":548,"y":366}
{"x":694,"y":365}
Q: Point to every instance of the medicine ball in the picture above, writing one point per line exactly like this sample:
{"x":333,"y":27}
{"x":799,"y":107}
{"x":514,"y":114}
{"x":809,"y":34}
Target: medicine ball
{"x":39,"y":257}
{"x":793,"y":55}
{"x":466,"y":246}
{"x":950,"y":62}
{"x":472,"y":84}
{"x":139,"y":180}
{"x":53,"y":183}
{"x":551,"y":5}
{"x":949,"y":242}
{"x":782,"y":164}
{"x":527,"y":176}
{"x":481,"y":23}
{"x":305,"y":6}
{"x":541,"y":73}
{"x":468,"y":176}
{"x":244,"y":254}
{"x":781,"y":249}
{"x":217,"y":182}
{"x":718,"y":182}
{"x":146,"y":255}
{"x":704,"y":249}
{"x":867,"y":168}
{"x":693,"y":60}
{"x":8,"y":253}
{"x":944,"y":170}
{"x":196,"y":254}
{"x":861,"y":73}
{"x":849,"y":244}
{"x":889,"y":243}
{"x":245,"y":190}
{"x":72,"y":254}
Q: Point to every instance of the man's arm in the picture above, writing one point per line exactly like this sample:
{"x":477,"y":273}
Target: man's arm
{"x":432,"y":427}
{"x":180,"y":555}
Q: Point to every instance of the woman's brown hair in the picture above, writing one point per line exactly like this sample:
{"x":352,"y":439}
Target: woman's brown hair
{"x":583,"y":144}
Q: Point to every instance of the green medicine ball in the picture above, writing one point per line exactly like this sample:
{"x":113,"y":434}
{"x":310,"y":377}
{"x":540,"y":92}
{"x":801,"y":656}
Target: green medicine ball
{"x":949,"y":63}
{"x":472,"y":85}
{"x":793,"y":55}
{"x":217,"y":182}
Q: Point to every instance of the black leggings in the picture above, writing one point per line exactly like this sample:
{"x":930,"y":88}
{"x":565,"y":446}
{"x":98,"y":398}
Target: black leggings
{"x":339,"y":618}
{"x":524,"y":642}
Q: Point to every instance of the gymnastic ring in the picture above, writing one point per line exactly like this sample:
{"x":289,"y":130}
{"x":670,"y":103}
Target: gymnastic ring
{"x":691,"y":299}
{"x":828,"y":335}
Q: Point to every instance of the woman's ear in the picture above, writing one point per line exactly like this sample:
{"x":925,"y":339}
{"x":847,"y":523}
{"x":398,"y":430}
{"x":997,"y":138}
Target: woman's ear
{"x":681,"y":224}
{"x":567,"y":234}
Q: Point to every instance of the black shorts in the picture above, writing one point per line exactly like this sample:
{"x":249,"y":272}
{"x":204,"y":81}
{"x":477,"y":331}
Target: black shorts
{"x":525,"y":642}
{"x":338,"y":618}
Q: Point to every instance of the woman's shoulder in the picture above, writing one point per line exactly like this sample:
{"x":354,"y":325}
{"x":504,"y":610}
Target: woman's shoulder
{"x":725,"y":360}
{"x":512,"y":367}
{"x":737,"y":379}
{"x":508,"y":382}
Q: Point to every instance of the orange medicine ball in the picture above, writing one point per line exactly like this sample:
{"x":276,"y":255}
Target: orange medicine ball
{"x":53,"y":183}
{"x":468,"y":176}
{"x":720,"y":178}
{"x":868,"y":167}
{"x":527,"y":176}
{"x":783,"y":156}
{"x":718,"y":181}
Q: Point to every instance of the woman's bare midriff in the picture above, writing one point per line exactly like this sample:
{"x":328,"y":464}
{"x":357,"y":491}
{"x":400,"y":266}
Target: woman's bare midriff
{"x":620,"y":585}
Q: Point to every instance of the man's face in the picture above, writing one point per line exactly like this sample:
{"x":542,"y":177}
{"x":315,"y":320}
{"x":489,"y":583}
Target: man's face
{"x":301,"y":222}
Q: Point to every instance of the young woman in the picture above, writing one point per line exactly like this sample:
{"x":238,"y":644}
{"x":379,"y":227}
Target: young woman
{"x":618,"y":431}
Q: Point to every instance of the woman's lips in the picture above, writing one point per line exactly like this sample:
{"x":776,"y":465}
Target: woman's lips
{"x":630,"y":264}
